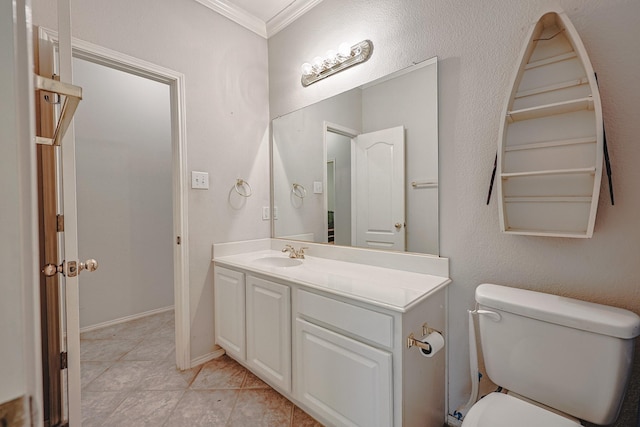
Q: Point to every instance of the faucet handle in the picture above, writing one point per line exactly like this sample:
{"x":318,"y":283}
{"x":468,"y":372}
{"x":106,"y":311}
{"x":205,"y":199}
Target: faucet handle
{"x":301,"y":252}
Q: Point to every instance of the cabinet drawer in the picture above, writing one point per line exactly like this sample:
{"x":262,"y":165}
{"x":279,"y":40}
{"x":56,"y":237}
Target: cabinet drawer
{"x":370,"y":325}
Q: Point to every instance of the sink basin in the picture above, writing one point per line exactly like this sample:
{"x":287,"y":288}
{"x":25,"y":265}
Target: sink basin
{"x":272,"y":261}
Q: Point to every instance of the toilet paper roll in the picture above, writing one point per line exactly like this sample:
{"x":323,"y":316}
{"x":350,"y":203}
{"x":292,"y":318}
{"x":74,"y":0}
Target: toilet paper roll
{"x":435,"y":340}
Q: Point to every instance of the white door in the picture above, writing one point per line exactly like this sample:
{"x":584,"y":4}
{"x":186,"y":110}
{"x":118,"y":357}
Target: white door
{"x":378,"y":211}
{"x":67,"y":267}
{"x":269,"y":330}
{"x":20,"y":382}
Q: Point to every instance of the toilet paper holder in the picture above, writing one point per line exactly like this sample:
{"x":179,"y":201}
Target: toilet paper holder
{"x":426,"y":330}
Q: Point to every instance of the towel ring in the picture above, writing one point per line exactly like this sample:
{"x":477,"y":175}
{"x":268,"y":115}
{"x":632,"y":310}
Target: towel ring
{"x":240,"y":185}
{"x":298,"y":190}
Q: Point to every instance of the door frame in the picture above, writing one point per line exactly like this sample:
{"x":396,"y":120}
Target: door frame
{"x":349,"y":133}
{"x":176,"y":81}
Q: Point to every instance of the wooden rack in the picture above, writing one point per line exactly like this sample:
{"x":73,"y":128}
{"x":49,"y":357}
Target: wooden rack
{"x":550,"y":157}
{"x":72,"y":96}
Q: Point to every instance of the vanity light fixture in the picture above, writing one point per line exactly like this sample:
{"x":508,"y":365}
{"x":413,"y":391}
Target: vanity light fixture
{"x":335,"y":61}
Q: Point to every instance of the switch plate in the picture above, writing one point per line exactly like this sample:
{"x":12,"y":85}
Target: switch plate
{"x":317,"y":187}
{"x":265,"y":213}
{"x":200,"y":180}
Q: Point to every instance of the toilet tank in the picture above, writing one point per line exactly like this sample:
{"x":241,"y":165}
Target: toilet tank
{"x":568,"y":354}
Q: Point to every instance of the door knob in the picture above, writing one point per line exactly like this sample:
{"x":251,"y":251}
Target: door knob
{"x":398,"y":225}
{"x":89,"y":265}
{"x":50,"y":270}
{"x":71,"y":268}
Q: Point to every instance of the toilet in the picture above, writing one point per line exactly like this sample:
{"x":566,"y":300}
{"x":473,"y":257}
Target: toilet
{"x":561,"y":360}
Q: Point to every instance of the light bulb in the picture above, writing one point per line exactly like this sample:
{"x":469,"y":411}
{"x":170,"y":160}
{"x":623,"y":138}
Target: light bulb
{"x":331,"y":57}
{"x":318,"y":64}
{"x":307,"y":69}
{"x":344,"y":50}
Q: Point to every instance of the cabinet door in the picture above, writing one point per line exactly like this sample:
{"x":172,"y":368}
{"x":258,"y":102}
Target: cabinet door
{"x":349,"y":382}
{"x":269,"y":330}
{"x":229,"y":292}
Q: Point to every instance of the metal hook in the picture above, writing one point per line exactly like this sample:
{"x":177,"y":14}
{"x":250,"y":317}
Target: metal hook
{"x":241,"y":183}
{"x":298,"y":190}
{"x":46,"y":99}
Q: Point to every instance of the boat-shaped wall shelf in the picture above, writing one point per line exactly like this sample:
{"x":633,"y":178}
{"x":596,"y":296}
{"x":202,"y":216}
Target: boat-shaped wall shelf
{"x":551,"y":139}
{"x":72,"y":96}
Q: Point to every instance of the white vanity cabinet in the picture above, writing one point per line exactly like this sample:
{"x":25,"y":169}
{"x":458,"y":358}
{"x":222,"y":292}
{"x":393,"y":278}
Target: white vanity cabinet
{"x":332,"y":338}
{"x":268,"y":311}
{"x":229,"y":315}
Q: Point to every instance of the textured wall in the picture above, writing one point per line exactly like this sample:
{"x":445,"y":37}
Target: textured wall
{"x":225,"y":68}
{"x":478,"y":45}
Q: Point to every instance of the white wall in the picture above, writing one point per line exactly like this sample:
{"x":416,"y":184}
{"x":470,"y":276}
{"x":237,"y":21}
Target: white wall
{"x":478,"y":44}
{"x":225,"y":68}
{"x":20,"y":370}
{"x":123,"y":157}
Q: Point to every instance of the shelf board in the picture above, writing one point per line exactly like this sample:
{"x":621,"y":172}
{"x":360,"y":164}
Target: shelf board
{"x":552,"y":60}
{"x":552,"y":88}
{"x":572,"y":171}
{"x":547,"y":233}
{"x":548,"y":199}
{"x":550,"y":109}
{"x":552,"y":144}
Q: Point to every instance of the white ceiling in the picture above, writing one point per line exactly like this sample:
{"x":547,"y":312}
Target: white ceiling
{"x":263,"y":17}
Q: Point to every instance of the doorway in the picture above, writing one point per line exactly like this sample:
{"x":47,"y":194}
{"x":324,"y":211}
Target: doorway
{"x":123,"y":170}
{"x":128,"y":166}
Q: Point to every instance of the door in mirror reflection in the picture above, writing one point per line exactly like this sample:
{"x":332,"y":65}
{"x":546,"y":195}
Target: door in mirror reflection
{"x":378,"y":213}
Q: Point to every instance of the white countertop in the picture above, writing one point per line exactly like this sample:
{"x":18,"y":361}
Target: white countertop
{"x":393,"y":289}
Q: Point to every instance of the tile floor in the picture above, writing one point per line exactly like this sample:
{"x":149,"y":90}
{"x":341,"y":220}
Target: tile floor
{"x":129,"y":379}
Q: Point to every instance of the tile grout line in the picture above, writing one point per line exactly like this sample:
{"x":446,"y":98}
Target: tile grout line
{"x":235,"y":402}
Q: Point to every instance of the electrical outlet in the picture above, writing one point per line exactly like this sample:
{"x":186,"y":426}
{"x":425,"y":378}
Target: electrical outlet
{"x":265,"y":213}
{"x":200,"y":180}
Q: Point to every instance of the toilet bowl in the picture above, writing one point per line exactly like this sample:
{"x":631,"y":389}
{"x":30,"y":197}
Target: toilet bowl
{"x":562,"y":360}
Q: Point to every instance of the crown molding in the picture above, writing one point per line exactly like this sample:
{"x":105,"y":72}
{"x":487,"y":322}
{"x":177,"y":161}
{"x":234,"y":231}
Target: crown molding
{"x":238,"y":15}
{"x":289,"y":14}
{"x":264,"y":29}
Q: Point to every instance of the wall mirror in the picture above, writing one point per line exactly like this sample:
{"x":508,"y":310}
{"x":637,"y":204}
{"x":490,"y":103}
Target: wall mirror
{"x":361,"y":168}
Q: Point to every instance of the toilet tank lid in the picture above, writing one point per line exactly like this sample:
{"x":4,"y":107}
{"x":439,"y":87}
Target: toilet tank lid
{"x":573,"y":313}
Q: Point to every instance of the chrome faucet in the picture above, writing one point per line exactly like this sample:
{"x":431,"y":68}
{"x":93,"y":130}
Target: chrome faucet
{"x":293,"y":253}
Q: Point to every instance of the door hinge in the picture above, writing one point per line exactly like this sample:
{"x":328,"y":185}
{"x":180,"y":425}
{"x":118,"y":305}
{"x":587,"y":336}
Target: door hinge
{"x":178,"y":240}
{"x":63,"y":360}
{"x":60,"y":223}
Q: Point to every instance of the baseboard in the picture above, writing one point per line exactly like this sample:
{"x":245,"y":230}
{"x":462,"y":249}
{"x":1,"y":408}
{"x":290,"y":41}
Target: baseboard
{"x":125,"y":319}
{"x":219,"y":351}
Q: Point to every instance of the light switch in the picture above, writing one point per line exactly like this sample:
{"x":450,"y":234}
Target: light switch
{"x":317,"y":187}
{"x":265,"y":213}
{"x":200,"y":180}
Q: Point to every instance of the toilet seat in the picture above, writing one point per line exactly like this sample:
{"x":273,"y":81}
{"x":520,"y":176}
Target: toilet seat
{"x":503,"y":410}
